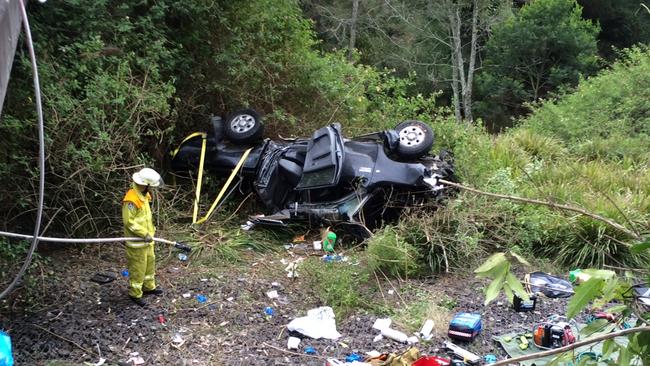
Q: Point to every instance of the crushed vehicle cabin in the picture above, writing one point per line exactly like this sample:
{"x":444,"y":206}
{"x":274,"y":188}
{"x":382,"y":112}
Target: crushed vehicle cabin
{"x":360,"y":182}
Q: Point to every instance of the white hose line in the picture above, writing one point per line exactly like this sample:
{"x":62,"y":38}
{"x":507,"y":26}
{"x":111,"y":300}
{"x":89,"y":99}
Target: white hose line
{"x":82,"y":240}
{"x":41,"y":154}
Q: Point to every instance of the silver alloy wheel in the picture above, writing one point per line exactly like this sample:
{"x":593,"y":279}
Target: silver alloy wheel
{"x":242,"y":123}
{"x":411,"y":136}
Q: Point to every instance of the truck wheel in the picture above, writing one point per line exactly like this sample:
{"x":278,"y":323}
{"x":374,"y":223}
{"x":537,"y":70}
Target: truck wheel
{"x":415,"y":139}
{"x":244,"y":126}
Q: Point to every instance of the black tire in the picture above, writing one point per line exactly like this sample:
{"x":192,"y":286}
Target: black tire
{"x":415,"y":139}
{"x":244,"y":126}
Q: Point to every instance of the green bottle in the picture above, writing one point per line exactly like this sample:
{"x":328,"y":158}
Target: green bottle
{"x":328,"y":245}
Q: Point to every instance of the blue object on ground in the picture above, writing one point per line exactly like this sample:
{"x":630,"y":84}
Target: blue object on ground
{"x":490,"y":359}
{"x":125,"y":272}
{"x":465,"y":326}
{"x":354,"y":357}
{"x":6,"y":359}
{"x":310,"y":350}
{"x":201,"y":298}
{"x":268,"y":311}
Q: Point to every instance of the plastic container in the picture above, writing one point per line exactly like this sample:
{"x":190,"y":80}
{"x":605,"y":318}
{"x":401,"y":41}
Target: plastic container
{"x":201,"y":298}
{"x":427,"y":328}
{"x":182,"y":257}
{"x":125,"y":273}
{"x":395,"y":335}
{"x":583,"y":275}
{"x":330,"y":240}
{"x":268,"y":311}
{"x":465,"y":326}
{"x":521,"y":306}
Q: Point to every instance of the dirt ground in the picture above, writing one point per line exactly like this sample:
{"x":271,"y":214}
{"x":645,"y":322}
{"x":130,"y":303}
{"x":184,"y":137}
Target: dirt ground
{"x":70,"y":320}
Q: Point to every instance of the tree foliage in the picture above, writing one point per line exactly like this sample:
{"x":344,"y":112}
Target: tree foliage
{"x":546,"y":46}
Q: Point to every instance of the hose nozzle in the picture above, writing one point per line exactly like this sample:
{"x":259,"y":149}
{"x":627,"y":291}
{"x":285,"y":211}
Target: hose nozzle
{"x":182,"y":246}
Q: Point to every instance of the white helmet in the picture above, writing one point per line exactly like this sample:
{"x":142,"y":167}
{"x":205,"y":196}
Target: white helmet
{"x":147,"y":177}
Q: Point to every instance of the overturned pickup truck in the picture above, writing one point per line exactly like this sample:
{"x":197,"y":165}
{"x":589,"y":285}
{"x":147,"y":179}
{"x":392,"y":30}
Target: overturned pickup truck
{"x":358,"y":182}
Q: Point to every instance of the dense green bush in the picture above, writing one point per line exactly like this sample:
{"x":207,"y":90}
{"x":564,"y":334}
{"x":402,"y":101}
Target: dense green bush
{"x":608,"y":116}
{"x":547,"y":45}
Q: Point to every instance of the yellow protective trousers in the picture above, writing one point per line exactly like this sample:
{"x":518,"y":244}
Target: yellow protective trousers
{"x":142,"y":268}
{"x":138,"y":221}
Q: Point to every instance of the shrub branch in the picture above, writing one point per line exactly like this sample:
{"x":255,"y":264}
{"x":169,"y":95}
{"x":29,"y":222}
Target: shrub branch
{"x":579,"y":210}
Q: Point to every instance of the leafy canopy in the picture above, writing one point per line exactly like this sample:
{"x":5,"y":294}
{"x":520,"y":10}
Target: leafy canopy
{"x":543,"y":47}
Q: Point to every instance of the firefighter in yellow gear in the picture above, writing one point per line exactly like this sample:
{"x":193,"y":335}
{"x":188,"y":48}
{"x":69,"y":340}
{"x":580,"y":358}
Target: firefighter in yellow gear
{"x":138,"y":222}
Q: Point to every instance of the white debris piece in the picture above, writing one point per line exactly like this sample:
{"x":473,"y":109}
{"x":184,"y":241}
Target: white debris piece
{"x":426,"y":330}
{"x":273,"y":294}
{"x":319,"y":323}
{"x":293,"y":343}
{"x":382,"y":323}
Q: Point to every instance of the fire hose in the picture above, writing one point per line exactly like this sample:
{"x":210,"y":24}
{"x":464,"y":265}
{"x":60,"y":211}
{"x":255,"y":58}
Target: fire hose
{"x":177,"y":244}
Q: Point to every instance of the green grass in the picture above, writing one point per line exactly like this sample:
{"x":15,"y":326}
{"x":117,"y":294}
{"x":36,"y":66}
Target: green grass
{"x":341,"y":285}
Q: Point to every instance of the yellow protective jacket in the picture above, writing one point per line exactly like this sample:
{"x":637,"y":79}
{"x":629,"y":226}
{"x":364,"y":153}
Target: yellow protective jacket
{"x":137,"y":217}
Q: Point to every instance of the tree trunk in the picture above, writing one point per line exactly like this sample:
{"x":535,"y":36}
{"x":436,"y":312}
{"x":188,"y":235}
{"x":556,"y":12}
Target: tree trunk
{"x":468,"y":89}
{"x":455,"y":89}
{"x":458,"y":77}
{"x":353,"y":28}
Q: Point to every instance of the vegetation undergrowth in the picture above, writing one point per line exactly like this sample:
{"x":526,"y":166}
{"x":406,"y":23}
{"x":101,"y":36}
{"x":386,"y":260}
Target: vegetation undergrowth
{"x":342,"y":285}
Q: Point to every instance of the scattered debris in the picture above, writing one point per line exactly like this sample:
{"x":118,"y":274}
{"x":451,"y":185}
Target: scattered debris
{"x":103,"y":278}
{"x":490,"y":359}
{"x":298,"y":238}
{"x":187,"y":295}
{"x":382,"y":323}
{"x":334,"y":258}
{"x":293,"y":343}
{"x":462,"y":353}
{"x":268,"y":312}
{"x":425,"y":331}
{"x":319,"y":323}
{"x":548,"y":285}
{"x":135,"y":359}
{"x":272,"y":294}
{"x":201,"y":298}
{"x":432,"y":361}
{"x":310,"y":350}
{"x":98,"y":363}
{"x":520,"y":305}
{"x":6,"y":357}
{"x":318,"y":245}
{"x":177,"y":340}
{"x":182,"y":257}
{"x":292,"y":267}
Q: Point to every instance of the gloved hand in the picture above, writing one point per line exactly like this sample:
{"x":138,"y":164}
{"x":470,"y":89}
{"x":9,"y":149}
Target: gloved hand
{"x":148,"y":238}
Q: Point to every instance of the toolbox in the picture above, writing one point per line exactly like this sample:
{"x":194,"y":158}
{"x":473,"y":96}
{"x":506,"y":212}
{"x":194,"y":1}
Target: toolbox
{"x":465,"y":326}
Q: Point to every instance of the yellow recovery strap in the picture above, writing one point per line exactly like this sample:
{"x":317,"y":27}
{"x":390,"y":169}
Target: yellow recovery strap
{"x":238,"y":167}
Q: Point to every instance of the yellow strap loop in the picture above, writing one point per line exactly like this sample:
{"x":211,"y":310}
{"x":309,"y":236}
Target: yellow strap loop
{"x":200,"y":180}
{"x":191,"y":136}
{"x":225,"y":186}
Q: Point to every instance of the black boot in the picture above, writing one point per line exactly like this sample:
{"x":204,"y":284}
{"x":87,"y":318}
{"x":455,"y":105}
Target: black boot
{"x":138,"y":301}
{"x":156,"y":291}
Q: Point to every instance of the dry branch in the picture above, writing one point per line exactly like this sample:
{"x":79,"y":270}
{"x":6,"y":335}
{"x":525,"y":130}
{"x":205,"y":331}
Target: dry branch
{"x":579,"y":210}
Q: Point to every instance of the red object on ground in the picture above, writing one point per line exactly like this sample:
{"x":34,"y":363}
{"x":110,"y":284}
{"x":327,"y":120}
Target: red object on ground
{"x":432,"y":361}
{"x":161,"y":319}
{"x":604,"y":315}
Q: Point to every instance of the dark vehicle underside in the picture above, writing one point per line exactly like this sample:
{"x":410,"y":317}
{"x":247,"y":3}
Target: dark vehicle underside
{"x":360,"y":182}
